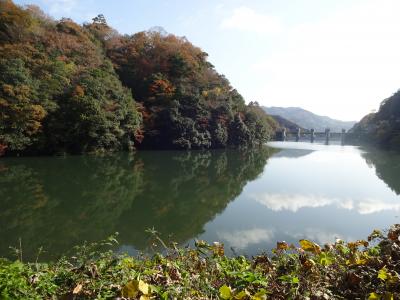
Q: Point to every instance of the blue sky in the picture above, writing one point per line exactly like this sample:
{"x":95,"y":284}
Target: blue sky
{"x":339,"y":58}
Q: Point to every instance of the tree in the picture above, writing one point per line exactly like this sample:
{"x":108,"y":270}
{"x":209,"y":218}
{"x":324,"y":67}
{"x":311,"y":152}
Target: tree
{"x":21,"y":114}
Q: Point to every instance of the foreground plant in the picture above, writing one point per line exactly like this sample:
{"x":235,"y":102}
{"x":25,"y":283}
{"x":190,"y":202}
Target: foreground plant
{"x":364,"y":269}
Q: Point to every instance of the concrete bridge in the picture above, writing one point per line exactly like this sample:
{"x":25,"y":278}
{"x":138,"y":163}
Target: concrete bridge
{"x":312,"y":135}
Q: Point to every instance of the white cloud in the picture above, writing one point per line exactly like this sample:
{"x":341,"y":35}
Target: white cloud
{"x":370,"y":207}
{"x":241,"y":239}
{"x":247,"y":19}
{"x":341,"y":66}
{"x":279,"y":202}
{"x":293,"y":203}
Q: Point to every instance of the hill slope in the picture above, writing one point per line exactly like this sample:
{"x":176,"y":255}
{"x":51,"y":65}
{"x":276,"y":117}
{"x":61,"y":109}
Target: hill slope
{"x":284,"y":123}
{"x":381,"y":128}
{"x":309,"y":120}
{"x":66,"y":87}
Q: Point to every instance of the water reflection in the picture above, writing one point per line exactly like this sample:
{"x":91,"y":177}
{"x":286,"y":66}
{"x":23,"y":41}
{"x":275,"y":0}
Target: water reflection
{"x":59,"y":202}
{"x":313,"y":191}
{"x":387,"y":166}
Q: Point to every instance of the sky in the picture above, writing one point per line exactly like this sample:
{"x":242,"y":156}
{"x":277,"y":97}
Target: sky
{"x":338,"y":58}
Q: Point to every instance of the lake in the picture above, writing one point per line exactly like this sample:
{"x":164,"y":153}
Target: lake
{"x":247,"y":199}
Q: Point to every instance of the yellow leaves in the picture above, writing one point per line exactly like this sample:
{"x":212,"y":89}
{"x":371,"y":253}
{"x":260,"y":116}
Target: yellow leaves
{"x":218,"y":249}
{"x":309,"y":246}
{"x":135,"y":287}
{"x":225,"y":292}
{"x":38,"y":112}
{"x":385,"y":275}
{"x":261,"y":295}
{"x":375,"y":296}
{"x":78,"y":92}
{"x":242,"y":295}
{"x":358,"y":258}
{"x":143,"y":287}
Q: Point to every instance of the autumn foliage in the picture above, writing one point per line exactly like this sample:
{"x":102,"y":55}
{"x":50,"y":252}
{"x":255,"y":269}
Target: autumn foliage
{"x":66,"y":87}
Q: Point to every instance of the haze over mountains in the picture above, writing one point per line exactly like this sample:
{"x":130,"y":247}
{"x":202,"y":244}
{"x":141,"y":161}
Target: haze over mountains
{"x":309,"y":120}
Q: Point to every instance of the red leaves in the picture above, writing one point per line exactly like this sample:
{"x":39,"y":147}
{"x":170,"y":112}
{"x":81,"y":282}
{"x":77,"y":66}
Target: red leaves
{"x":161,"y":88}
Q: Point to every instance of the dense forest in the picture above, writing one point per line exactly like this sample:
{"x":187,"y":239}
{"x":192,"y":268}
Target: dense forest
{"x":69,"y":88}
{"x":381,"y":128}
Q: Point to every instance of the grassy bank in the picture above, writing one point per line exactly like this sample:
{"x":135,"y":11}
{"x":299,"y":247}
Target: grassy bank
{"x":366,"y":269}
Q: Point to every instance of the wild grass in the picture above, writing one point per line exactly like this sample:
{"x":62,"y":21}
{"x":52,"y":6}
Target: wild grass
{"x":364,"y":269}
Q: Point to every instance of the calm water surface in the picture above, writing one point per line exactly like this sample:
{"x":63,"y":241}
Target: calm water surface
{"x":246,"y":199}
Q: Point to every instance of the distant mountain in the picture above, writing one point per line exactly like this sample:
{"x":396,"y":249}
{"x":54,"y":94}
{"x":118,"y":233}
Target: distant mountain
{"x":309,"y":120}
{"x":282,"y":122}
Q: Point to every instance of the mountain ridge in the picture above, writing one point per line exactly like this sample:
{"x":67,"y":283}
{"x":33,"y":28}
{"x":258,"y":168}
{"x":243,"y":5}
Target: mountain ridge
{"x":308,"y":119}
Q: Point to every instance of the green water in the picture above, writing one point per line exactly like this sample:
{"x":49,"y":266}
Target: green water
{"x":246,"y":199}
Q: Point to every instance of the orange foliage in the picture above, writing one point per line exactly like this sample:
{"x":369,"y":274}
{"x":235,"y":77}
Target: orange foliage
{"x":14,"y":22}
{"x":78,"y":92}
{"x":161,"y":87}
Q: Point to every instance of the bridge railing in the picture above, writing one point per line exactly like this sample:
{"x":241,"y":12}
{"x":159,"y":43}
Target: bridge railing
{"x":312,"y":135}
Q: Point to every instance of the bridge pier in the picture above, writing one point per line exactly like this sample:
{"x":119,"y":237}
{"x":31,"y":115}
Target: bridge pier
{"x":283,"y":134}
{"x":327,"y":136}
{"x":343,"y":137}
{"x":298,"y":134}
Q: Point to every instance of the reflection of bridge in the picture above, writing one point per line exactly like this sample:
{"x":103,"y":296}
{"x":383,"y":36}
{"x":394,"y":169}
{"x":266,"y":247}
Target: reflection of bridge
{"x":312,"y":135}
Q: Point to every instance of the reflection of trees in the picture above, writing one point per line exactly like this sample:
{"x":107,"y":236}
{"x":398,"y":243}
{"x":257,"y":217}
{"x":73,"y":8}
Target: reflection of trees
{"x":387,"y":166}
{"x":58,"y":202}
{"x":189,"y":190}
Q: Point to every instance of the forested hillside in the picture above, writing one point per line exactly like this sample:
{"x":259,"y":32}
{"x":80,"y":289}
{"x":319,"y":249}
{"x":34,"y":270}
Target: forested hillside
{"x":71,"y":88}
{"x":381,"y":128}
{"x":284,"y":123}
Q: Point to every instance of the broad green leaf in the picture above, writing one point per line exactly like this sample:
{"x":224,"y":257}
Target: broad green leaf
{"x":225,"y":292}
{"x":325,"y":259}
{"x":295,"y":280}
